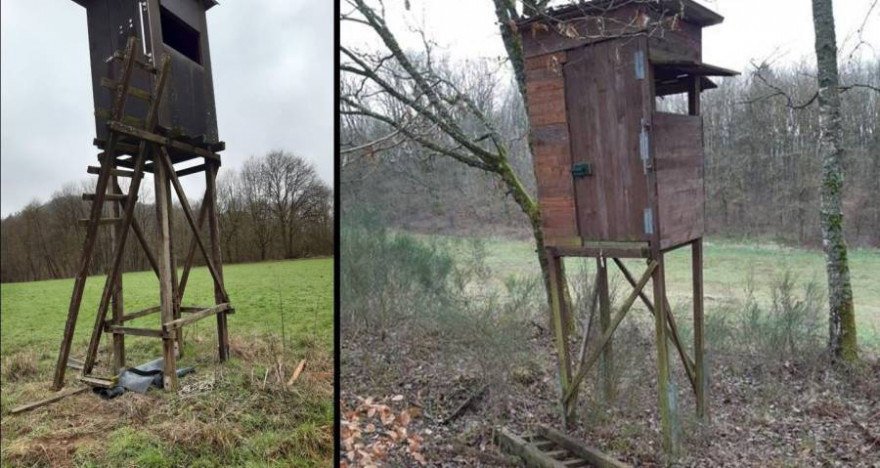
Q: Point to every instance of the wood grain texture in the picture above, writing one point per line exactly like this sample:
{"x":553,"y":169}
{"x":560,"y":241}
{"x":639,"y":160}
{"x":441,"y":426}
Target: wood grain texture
{"x":678,"y":146}
{"x":605,"y":102}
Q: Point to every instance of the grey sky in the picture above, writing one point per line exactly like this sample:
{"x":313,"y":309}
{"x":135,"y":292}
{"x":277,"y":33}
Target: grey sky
{"x":752,"y":29}
{"x":273,"y":80}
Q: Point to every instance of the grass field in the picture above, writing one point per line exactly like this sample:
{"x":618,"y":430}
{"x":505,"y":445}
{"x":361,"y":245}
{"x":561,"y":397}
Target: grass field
{"x":726,"y":272}
{"x":240,"y":413}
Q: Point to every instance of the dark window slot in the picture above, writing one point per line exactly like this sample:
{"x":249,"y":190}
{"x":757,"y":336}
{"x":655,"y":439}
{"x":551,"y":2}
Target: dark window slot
{"x":180,"y":36}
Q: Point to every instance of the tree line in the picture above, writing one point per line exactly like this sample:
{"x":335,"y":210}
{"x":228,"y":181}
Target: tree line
{"x":274,"y":207}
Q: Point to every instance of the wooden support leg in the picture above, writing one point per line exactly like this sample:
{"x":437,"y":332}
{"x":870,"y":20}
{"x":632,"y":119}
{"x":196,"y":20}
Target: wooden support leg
{"x":165,"y":273}
{"x":561,"y":334}
{"x":606,"y":364}
{"x":116,"y":300}
{"x":216,"y":254}
{"x":667,"y":396}
{"x":700,"y":377}
{"x":175,"y":297}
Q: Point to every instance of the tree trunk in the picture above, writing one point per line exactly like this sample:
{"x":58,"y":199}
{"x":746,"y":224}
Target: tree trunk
{"x":842,"y":324}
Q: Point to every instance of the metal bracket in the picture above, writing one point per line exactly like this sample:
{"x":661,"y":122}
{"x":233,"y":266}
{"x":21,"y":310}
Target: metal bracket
{"x":649,"y":220}
{"x":581,"y":169}
{"x":639,"y":58}
{"x":645,"y":147}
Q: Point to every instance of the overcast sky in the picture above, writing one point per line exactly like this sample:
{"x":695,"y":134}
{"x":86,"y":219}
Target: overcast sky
{"x":273,"y":81}
{"x":752,"y":29}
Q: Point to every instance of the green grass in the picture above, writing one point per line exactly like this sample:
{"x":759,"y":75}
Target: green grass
{"x":246,"y":418}
{"x":726,"y":271}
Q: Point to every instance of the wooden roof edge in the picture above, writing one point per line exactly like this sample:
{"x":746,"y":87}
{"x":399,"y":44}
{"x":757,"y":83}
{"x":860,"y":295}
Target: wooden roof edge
{"x":695,"y":68}
{"x":692,"y":11}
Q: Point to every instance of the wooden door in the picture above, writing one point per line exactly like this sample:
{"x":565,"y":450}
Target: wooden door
{"x":606,"y":106}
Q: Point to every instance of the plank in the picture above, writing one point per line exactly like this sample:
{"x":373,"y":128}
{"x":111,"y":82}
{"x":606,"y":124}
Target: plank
{"x":148,"y":332}
{"x":114,"y":172}
{"x":161,"y":140}
{"x":162,"y":193}
{"x":132,"y":91}
{"x":45,"y":401}
{"x":588,"y":453}
{"x":140,"y":313}
{"x":515,"y":445}
{"x":179,"y":323}
{"x":220,"y":295}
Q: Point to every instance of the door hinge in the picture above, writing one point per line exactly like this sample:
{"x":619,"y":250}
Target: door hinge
{"x":649,"y":221}
{"x":640,"y":64}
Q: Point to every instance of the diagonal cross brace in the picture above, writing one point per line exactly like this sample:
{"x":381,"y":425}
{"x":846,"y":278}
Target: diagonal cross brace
{"x":187,"y":211}
{"x":627,"y":305}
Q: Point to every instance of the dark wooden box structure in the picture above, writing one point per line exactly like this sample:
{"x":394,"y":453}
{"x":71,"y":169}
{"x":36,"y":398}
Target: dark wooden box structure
{"x":174,"y":27}
{"x":597,"y":136}
{"x":616,"y":177}
{"x":154,"y":109}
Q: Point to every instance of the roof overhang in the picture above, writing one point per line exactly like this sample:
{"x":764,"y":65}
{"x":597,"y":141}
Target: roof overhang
{"x":689,"y":10}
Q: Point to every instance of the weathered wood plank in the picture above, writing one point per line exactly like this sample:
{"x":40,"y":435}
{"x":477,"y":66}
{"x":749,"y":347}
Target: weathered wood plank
{"x":590,"y":454}
{"x":179,"y":323}
{"x":46,"y":401}
{"x":515,"y":445}
{"x":148,"y":332}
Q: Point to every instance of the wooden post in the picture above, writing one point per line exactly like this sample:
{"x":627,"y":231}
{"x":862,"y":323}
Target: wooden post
{"x":700,"y":377}
{"x":606,"y":365}
{"x":175,"y":297}
{"x":217,"y":259}
{"x":667,"y":417}
{"x":561,"y":335}
{"x":165,"y":282}
{"x":116,"y":300}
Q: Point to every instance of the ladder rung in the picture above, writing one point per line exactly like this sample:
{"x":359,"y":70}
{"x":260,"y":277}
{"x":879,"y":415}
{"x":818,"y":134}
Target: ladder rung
{"x":132,"y":91}
{"x":102,"y":113}
{"x":115,"y":172}
{"x":109,"y":196}
{"x":575,"y":463}
{"x":97,"y":382}
{"x":118,"y":55}
{"x":557,"y":454}
{"x":102,"y":221}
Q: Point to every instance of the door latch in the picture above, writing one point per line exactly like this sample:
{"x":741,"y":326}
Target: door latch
{"x":581,"y":169}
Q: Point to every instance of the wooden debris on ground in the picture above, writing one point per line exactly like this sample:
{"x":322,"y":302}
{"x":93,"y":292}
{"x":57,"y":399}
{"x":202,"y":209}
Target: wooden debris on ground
{"x":58,"y":396}
{"x":297,"y":372}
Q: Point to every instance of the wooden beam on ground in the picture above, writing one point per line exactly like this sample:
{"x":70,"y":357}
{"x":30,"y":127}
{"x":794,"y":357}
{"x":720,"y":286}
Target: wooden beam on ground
{"x":624,"y":308}
{"x":516,"y":445}
{"x":590,"y":454}
{"x":179,"y":323}
{"x":46,"y":401}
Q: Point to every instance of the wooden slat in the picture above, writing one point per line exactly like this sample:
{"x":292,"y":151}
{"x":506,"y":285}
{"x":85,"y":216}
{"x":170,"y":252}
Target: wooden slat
{"x":140,"y":313}
{"x":131,"y":120}
{"x":159,"y":139}
{"x":96,"y":382}
{"x":148,"y":332}
{"x":101,"y":222}
{"x":132,"y":91}
{"x":142,"y":65}
{"x":109,"y":196}
{"x":179,"y":323}
{"x":46,"y":401}
{"x":114,"y":172}
{"x":586,"y":452}
{"x":191,"y":170}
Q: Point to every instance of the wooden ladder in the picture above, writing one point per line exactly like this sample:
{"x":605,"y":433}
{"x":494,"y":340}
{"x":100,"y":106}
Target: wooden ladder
{"x":549,"y":448}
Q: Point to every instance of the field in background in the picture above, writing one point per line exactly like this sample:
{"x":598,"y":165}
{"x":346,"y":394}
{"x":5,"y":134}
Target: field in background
{"x":239,"y":413}
{"x":728,"y":267}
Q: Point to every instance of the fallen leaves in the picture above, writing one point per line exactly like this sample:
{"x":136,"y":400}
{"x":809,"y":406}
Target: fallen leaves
{"x":373,"y":429}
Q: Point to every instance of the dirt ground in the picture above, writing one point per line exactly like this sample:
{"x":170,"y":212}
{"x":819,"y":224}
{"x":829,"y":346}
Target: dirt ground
{"x":402,"y":405}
